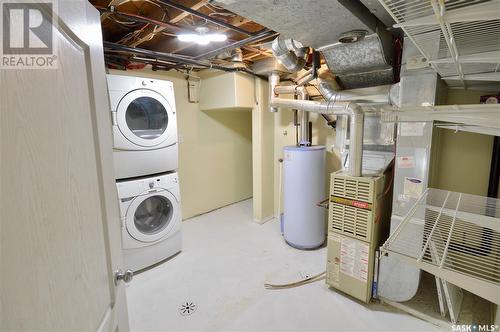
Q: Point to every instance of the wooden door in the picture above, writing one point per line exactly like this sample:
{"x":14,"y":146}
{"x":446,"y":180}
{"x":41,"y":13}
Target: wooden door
{"x":60,"y":239}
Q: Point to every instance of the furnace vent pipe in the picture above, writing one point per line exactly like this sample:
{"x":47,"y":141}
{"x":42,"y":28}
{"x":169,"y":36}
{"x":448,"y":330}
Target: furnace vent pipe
{"x":356,"y":118}
{"x":304,"y":119}
{"x":274,"y":79}
{"x":290,"y":53}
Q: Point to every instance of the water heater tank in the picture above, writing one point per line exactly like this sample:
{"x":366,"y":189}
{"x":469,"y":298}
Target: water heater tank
{"x":303,"y":188}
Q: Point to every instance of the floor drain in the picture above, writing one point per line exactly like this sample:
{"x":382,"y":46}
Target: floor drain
{"x":187,"y":308}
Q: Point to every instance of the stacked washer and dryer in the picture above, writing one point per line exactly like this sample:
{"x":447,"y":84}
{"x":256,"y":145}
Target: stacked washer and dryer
{"x":145,"y":151}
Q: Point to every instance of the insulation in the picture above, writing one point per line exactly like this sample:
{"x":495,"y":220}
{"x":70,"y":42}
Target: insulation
{"x":314,"y":23}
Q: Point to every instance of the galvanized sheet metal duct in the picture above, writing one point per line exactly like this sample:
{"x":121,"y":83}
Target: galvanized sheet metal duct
{"x":321,"y":24}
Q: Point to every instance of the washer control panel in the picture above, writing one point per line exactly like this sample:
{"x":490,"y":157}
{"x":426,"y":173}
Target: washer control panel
{"x":164,"y":181}
{"x":132,"y":188}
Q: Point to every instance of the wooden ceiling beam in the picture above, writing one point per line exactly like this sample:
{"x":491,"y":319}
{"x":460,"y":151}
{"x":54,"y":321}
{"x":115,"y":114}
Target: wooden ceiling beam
{"x":115,"y":3}
{"x":195,"y":5}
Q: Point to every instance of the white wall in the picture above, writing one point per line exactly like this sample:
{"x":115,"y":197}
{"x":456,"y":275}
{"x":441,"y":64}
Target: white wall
{"x":263,"y":155}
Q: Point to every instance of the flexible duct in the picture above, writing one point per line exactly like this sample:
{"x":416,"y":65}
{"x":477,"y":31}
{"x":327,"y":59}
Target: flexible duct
{"x":290,"y":53}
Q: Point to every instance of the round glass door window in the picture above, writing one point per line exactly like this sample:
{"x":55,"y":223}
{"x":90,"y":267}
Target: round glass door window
{"x":153,"y":215}
{"x":146,"y":118}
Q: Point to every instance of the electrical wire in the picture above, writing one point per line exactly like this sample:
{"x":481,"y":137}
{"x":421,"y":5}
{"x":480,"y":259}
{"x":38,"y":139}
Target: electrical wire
{"x":134,"y":34}
{"x":306,"y":281}
{"x":210,"y":4}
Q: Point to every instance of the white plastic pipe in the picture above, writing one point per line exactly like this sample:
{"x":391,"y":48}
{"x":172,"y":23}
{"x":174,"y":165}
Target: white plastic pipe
{"x":353,"y":110}
{"x":274,"y":79}
{"x":304,"y":119}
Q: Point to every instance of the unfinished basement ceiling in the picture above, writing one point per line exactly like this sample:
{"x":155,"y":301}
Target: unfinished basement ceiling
{"x":153,"y":25}
{"x":314,"y":23}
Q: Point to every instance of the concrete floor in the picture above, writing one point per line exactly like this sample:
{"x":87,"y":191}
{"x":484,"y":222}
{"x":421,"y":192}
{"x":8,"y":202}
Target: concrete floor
{"x":225,"y":261}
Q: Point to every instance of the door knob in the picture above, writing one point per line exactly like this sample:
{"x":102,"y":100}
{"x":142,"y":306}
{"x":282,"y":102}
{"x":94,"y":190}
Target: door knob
{"x":126,"y":276}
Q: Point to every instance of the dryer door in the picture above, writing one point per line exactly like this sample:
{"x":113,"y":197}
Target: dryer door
{"x":144,"y":117}
{"x":152,"y":215}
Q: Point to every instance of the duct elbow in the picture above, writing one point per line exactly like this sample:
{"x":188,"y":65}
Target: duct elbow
{"x":355,"y":110}
{"x":290,"y":53}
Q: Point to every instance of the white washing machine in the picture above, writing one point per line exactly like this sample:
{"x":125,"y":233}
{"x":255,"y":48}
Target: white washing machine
{"x":144,"y":126}
{"x":151,"y":219}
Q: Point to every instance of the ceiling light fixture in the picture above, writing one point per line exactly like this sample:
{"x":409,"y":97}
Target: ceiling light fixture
{"x":202,"y":37}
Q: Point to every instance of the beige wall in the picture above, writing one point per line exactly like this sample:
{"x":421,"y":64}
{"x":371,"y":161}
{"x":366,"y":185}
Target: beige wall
{"x":463,"y":158}
{"x":215,"y":150}
{"x":263,"y":155}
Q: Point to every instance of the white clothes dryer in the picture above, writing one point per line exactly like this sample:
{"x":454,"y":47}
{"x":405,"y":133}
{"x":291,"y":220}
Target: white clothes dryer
{"x":144,"y":126}
{"x":151,"y":219}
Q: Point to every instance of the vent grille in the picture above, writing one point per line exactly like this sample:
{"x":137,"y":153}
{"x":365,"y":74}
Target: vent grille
{"x":351,"y":221}
{"x":352,"y":188}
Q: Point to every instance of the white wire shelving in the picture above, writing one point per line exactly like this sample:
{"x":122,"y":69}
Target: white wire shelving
{"x":454,"y":236}
{"x":459,"y":38}
{"x":478,"y":118}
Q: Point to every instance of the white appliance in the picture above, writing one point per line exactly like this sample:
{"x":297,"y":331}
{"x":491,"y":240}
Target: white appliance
{"x":304,"y":222}
{"x":151,"y":219}
{"x":144,"y":126}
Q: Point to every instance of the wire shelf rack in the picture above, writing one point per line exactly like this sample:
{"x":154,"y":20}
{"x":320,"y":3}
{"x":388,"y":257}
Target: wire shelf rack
{"x":459,"y":38}
{"x":479,"y":118}
{"x":454,"y":236}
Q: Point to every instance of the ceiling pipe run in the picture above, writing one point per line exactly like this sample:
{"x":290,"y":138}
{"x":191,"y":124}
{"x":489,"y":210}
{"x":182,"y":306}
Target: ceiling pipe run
{"x":172,"y":58}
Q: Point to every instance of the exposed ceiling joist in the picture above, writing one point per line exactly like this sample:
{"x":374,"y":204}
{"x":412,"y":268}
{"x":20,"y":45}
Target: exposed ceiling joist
{"x":115,"y":3}
{"x":156,"y":23}
{"x":208,"y":18}
{"x":195,"y":5}
{"x":235,"y":23}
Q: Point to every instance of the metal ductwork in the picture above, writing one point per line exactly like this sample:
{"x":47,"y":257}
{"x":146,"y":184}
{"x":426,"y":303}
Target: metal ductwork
{"x":290,"y":53}
{"x":314,"y":23}
{"x":361,"y":61}
{"x":355,"y":44}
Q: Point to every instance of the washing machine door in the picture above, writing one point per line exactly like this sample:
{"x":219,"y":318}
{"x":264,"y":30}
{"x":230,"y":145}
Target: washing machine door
{"x":152,"y":215}
{"x":144,"y":117}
